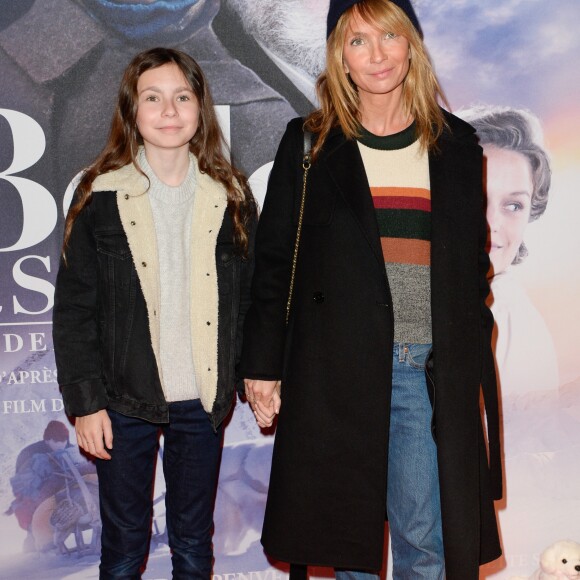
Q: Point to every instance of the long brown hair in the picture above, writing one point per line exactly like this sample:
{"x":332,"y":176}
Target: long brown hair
{"x":124,"y":139}
{"x":338,"y":96}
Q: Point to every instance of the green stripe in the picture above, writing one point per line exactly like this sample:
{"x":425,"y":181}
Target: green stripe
{"x":404,"y":223}
{"x":399,"y":140}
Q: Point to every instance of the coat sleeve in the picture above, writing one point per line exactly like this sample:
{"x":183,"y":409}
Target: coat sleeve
{"x":488,"y":375}
{"x":265,"y":324}
{"x":75,"y":322}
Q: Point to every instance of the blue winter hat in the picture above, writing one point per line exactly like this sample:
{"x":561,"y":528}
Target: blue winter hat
{"x":337,"y":7}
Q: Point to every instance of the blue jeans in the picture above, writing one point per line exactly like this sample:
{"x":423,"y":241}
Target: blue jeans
{"x":413,"y":500}
{"x":190,"y":464}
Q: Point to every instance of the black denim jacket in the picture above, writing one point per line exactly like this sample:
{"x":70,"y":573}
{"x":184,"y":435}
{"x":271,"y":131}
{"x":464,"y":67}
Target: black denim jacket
{"x":102,"y":340}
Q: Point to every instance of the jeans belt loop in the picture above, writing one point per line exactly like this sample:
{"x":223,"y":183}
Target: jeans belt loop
{"x":401,"y":352}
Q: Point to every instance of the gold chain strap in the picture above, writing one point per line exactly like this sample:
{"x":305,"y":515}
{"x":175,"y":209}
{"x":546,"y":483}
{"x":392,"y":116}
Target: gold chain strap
{"x":306,"y":166}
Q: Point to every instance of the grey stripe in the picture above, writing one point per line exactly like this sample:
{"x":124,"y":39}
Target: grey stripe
{"x":411,"y":292}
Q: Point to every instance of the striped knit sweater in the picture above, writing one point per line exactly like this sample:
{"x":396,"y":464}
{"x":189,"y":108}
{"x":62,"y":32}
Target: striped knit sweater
{"x":398,"y":175}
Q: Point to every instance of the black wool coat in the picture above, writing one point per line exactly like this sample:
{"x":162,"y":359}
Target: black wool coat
{"x":326,"y":502}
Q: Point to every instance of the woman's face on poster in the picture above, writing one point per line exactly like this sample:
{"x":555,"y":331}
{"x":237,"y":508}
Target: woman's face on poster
{"x":509,"y":190}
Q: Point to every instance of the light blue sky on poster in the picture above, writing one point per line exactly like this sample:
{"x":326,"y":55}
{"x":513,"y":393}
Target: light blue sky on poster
{"x":516,"y":52}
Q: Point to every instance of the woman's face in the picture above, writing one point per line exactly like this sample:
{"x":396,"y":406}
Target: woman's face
{"x":168,"y":110}
{"x":377,"y":62}
{"x":509,"y":196}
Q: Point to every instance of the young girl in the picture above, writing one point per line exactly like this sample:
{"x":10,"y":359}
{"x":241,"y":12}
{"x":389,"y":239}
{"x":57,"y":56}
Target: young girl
{"x":150,"y":298}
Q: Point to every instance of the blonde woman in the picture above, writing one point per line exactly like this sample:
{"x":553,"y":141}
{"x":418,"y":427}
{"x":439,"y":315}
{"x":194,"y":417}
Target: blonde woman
{"x":390,"y":279}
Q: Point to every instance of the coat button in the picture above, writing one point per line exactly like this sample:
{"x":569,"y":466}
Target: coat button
{"x":126,"y":196}
{"x":144,"y":264}
{"x":318,"y":297}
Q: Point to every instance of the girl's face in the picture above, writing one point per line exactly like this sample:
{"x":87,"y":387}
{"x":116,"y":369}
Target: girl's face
{"x":509,"y":197}
{"x":377,"y":62}
{"x":167,"y":110}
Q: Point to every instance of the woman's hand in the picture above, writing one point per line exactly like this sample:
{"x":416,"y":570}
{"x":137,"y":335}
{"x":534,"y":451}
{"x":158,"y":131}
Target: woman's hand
{"x":95,"y":434}
{"x":264,"y":398}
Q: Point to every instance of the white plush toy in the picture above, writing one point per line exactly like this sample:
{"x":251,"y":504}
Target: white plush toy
{"x":561,"y":561}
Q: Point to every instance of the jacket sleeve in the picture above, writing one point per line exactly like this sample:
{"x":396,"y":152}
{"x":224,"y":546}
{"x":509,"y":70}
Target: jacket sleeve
{"x":75,"y":322}
{"x":488,"y":375}
{"x":247,"y":273}
{"x":265,"y":324}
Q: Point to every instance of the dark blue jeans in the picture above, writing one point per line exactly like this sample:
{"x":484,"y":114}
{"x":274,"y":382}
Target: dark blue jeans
{"x":191,"y":458}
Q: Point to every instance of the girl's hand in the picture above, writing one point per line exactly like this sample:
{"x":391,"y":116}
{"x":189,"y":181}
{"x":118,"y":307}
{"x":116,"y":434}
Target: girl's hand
{"x":95,"y":434}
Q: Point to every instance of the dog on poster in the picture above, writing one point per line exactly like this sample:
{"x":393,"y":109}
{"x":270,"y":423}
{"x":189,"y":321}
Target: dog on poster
{"x":560,"y":561}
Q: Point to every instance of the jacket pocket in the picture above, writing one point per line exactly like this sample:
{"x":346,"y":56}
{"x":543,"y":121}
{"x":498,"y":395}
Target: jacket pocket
{"x":225,"y":261}
{"x":114,"y":245}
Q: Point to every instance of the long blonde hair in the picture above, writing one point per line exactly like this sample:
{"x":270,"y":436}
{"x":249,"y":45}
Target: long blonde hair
{"x":338,"y":96}
{"x":124,"y":139}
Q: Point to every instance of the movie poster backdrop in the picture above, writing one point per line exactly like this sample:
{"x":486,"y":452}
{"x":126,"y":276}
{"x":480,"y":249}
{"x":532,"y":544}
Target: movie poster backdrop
{"x":60,"y":65}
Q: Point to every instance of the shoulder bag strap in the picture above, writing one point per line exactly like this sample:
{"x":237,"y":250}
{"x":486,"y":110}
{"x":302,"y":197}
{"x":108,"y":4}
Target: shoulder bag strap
{"x":306,"y":162}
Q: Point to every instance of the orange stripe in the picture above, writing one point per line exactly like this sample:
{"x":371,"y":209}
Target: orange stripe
{"x":402,"y":251}
{"x":401,"y":192}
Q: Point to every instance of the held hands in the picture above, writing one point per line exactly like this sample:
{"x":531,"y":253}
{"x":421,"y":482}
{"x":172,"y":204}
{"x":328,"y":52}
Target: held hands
{"x":95,"y":434}
{"x":264,"y":398}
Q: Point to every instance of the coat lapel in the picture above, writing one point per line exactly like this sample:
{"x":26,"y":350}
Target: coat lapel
{"x":438,"y":189}
{"x":345,"y":166}
{"x":446,"y":209}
